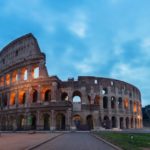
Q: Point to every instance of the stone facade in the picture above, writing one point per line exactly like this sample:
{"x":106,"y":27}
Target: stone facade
{"x":30,"y":99}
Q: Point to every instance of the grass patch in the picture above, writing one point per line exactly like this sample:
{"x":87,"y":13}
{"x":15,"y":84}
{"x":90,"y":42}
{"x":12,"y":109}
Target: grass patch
{"x":127,"y":141}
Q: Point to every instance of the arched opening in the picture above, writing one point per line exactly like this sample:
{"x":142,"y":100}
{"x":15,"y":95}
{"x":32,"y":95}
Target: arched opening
{"x":77,"y":121}
{"x":97,"y":100}
{"x":127,"y":122}
{"x":35,"y":96}
{"x":121,"y":123}
{"x":104,"y":91}
{"x":64,"y":96}
{"x":12,"y":99}
{"x":135,"y":107}
{"x":113,"y":119}
{"x":126,"y":104}
{"x":22,"y":97}
{"x":35,"y":72}
{"x":24,"y":74}
{"x":76,"y":98}
{"x":21,"y":122}
{"x":120,"y":103}
{"x":113,"y":102}
{"x":106,"y":122}
{"x":89,"y":121}
{"x":32,"y":121}
{"x":105,"y":102}
{"x":7,"y":79}
{"x":60,"y":122}
{"x":14,"y":77}
{"x":46,"y":119}
{"x":4,"y":99}
{"x":47,"y":96}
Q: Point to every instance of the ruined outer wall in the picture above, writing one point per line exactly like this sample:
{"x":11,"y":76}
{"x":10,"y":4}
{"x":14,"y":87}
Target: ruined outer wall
{"x":104,"y":102}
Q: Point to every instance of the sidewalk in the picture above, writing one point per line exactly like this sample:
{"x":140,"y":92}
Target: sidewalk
{"x":21,"y":141}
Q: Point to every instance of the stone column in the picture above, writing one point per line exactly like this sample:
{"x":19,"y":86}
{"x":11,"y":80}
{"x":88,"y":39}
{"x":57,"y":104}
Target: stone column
{"x":29,"y":74}
{"x":68,"y":119}
{"x":19,"y":75}
{"x":37,"y":120}
{"x":118,"y":122}
{"x":52,"y":127}
{"x":54,"y":91}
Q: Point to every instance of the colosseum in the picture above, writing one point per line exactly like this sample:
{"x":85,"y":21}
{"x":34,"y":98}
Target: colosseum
{"x":30,"y":99}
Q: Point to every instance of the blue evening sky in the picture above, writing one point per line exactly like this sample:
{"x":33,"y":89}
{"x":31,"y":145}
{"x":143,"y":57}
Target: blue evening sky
{"x":108,"y":38}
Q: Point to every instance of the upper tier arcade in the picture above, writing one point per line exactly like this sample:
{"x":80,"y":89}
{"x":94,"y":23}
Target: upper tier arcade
{"x":20,"y":50}
{"x":20,"y":53}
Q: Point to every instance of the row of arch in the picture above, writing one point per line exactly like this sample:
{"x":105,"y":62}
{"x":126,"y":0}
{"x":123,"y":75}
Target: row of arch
{"x":22,"y":74}
{"x":76,"y":98}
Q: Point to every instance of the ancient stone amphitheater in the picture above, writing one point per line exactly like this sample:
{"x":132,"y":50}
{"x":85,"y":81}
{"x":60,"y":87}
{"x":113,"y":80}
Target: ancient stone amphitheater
{"x":31,"y":99}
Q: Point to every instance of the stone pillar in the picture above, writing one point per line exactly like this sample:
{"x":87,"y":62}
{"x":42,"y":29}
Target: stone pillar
{"x":29,"y":74}
{"x":8,"y":99}
{"x":54,"y":91}
{"x":118,"y":122}
{"x":37,"y":120}
{"x":39,"y":94}
{"x":19,"y":75}
{"x":84,"y":95}
{"x":68,"y":119}
{"x":109,"y":105}
{"x":52,"y":127}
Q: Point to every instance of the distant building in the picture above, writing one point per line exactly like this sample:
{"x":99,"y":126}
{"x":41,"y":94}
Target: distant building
{"x":30,"y":99}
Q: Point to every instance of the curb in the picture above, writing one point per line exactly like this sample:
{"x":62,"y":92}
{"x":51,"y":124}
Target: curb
{"x":103,"y":140}
{"x":42,"y":142}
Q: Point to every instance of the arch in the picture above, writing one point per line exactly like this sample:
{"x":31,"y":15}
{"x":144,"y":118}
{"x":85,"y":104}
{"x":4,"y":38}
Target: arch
{"x":47,"y":95}
{"x":113,"y":120}
{"x":12,"y":99}
{"x":60,"y":121}
{"x":24,"y":74}
{"x":89,"y":121}
{"x":97,"y":100}
{"x":131,"y":122}
{"x":46,"y":120}
{"x":113,"y":102}
{"x":105,"y":102}
{"x":121,"y":123}
{"x":14,"y":76}
{"x":104,"y":91}
{"x":77,"y":121}
{"x":127,"y":122}
{"x":7,"y":79}
{"x":64,"y":96}
{"x":106,"y":122}
{"x":120,"y":103}
{"x":35,"y":73}
{"x":4,"y":99}
{"x":21,"y":122}
{"x":126,"y":103}
{"x":134,"y":107}
{"x":76,"y":97}
{"x":35,"y":96}
{"x":22,"y":97}
{"x":32,"y":121}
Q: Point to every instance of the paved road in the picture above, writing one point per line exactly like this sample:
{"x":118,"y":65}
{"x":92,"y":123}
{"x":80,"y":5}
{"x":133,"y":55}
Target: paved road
{"x":75,"y":141}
